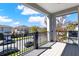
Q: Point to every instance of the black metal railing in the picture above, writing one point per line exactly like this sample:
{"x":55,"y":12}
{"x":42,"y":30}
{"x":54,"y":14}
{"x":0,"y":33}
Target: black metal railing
{"x":42,"y":39}
{"x":16,"y":45}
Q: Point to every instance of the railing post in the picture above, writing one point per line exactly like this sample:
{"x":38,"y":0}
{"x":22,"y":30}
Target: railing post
{"x":36,"y":40}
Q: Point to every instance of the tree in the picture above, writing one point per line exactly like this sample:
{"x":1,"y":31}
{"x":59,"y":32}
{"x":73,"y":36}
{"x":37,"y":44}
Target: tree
{"x":33,"y":29}
{"x":43,"y":30}
{"x":71,"y":26}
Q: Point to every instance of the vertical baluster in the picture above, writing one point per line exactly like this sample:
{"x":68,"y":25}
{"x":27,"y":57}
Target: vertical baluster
{"x":17,"y":46}
{"x":11,"y":44}
{"x":25,"y":41}
{"x":29,"y":41}
{"x":7,"y":36}
{"x":22,"y":42}
{"x":14,"y":46}
{"x":33,"y":39}
{"x":36,"y":40}
{"x":3,"y":42}
{"x":39,"y":40}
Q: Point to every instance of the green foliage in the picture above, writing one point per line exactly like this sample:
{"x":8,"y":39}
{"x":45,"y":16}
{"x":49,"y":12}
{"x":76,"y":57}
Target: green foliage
{"x":43,"y":30}
{"x":33,"y":29}
{"x":70,"y":26}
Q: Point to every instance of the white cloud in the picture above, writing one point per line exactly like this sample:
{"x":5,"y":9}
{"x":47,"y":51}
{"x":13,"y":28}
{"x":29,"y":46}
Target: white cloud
{"x":26,"y":10}
{"x":39,"y":19}
{"x":16,"y":23}
{"x":68,"y":15}
{"x":36,"y":19}
{"x":5,"y":19}
{"x":20,"y":7}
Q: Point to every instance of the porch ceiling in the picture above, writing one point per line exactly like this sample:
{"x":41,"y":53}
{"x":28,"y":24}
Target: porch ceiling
{"x":55,"y":7}
{"x":50,"y":8}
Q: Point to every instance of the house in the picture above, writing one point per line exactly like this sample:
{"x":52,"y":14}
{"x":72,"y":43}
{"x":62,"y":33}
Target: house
{"x":5,"y":29}
{"x":20,"y":29}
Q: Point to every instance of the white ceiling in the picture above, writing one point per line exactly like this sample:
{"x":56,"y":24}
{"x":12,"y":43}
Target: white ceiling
{"x":55,"y":7}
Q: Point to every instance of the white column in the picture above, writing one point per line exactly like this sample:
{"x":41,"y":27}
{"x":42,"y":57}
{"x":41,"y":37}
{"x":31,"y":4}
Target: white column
{"x":54,"y":27}
{"x":51,"y":28}
{"x":48,"y":29}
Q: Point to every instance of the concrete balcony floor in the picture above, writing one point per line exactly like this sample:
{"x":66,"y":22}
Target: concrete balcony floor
{"x":57,"y":49}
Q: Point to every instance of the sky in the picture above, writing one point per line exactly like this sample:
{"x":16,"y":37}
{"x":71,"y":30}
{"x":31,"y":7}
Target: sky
{"x":70,"y":18}
{"x":13,"y":14}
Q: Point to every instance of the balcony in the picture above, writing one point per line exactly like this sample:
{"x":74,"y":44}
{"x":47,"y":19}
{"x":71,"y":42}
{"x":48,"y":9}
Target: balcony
{"x":46,"y":43}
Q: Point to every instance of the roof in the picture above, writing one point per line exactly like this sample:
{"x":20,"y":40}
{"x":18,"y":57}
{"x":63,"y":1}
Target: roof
{"x":21,"y":27}
{"x":6,"y":26}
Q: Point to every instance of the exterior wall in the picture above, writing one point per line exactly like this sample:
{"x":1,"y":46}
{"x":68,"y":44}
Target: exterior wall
{"x":19,"y":30}
{"x":5,"y":30}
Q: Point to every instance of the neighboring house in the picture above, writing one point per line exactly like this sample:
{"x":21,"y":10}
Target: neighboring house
{"x":20,"y":29}
{"x":5,"y":29}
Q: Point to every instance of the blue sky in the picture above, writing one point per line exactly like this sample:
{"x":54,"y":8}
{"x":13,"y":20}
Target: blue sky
{"x":72,"y":17}
{"x":17,"y":14}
